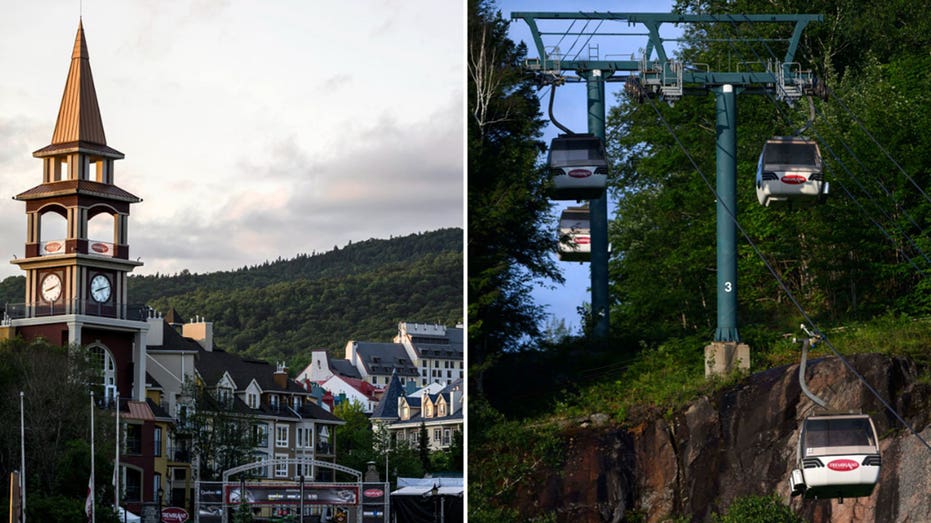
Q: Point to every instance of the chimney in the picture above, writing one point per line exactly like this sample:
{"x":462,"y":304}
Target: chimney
{"x":155,"y":336}
{"x":281,"y":376}
{"x":200,"y":331}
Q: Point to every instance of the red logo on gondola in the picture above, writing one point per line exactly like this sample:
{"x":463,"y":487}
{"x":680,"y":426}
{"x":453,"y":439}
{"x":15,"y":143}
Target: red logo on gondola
{"x":174,"y":515}
{"x":794,"y":179}
{"x":843,"y":465}
{"x":580,"y":173}
{"x":582,"y":240}
{"x":100,"y":247}
{"x":373,"y":493}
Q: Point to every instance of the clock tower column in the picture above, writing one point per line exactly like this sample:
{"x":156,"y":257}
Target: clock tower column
{"x":77,"y":251}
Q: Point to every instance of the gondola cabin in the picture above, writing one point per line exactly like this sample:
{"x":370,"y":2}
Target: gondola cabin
{"x":578,"y":167}
{"x":790,"y":172}
{"x":838,"y":457}
{"x":575,"y":235}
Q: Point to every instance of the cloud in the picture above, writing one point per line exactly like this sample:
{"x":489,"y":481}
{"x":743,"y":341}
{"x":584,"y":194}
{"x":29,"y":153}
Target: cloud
{"x":394,"y":180}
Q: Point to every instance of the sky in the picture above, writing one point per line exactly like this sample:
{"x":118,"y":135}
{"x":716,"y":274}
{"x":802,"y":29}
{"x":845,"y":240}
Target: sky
{"x":252,"y":129}
{"x":570,"y":109}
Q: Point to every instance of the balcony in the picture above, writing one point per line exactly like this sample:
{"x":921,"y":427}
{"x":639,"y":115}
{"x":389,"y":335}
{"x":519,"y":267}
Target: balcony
{"x":133,"y":312}
{"x":179,"y":454}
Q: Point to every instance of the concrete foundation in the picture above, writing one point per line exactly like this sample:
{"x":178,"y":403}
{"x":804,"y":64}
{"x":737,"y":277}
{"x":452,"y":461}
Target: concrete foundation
{"x":723,"y":357}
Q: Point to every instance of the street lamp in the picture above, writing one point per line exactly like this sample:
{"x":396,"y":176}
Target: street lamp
{"x":161,"y":493}
{"x":434,"y":492}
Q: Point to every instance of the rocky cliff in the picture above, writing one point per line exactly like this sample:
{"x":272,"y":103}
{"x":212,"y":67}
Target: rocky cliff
{"x":740,"y":442}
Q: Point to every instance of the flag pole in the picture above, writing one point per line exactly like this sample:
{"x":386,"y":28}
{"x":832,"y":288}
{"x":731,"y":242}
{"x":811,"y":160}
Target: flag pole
{"x":116,"y":467}
{"x":22,"y":458}
{"x":93,"y":483}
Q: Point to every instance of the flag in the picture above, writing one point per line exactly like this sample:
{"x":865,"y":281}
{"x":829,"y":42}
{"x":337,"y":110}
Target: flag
{"x":89,"y":503}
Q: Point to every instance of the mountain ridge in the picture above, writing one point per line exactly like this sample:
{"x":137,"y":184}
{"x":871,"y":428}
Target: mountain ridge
{"x":282,"y":309}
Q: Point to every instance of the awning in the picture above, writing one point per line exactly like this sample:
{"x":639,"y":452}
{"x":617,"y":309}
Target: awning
{"x":423,"y":486}
{"x":140,"y":410}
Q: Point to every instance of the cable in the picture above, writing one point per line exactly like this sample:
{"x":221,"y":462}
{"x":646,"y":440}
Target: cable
{"x":834,"y":96}
{"x":553,"y":118}
{"x":782,"y":284}
{"x":856,"y":180}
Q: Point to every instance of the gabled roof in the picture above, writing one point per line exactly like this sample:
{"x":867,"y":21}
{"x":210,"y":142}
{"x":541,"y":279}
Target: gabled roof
{"x":212,"y":364}
{"x":79,"y":119}
{"x":365,"y":388}
{"x":387,"y":407}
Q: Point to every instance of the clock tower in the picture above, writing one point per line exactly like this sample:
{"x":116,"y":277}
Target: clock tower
{"x":77,"y":253}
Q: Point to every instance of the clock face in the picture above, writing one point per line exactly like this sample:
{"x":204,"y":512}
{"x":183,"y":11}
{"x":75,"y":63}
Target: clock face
{"x":100,"y":288}
{"x":51,"y":288}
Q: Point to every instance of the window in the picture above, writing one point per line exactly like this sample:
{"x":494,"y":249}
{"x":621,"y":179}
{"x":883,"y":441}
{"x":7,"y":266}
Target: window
{"x":253,"y":400}
{"x":423,"y":372}
{"x":260,"y":434}
{"x":449,"y":374}
{"x":133,"y":439}
{"x":445,"y":364}
{"x":261,"y":472}
{"x":281,"y":435}
{"x":225,"y":395}
{"x":436,"y":435}
{"x":281,"y":469}
{"x":436,"y":363}
{"x":304,"y":437}
{"x":156,"y":485}
{"x":296,"y":403}
{"x":158,"y":441}
{"x":460,"y":366}
{"x":425,"y":363}
{"x":273,"y":401}
{"x":446,"y":434}
{"x":441,"y":409}
{"x":133,"y":488}
{"x":460,"y":374}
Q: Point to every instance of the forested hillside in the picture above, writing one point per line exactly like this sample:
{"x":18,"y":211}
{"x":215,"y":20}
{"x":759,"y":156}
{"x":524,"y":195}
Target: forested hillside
{"x":279,"y":310}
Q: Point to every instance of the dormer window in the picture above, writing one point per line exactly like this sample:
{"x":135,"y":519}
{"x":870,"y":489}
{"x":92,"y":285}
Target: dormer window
{"x":273,"y":401}
{"x":253,"y":400}
{"x":225,"y":395}
{"x":441,"y":410}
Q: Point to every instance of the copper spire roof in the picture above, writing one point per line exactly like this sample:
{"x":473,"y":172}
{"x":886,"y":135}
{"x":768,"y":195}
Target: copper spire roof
{"x":79,"y":115}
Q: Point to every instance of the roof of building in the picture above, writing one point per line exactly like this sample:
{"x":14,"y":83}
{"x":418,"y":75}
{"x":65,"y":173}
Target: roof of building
{"x":78,"y":187}
{"x":365,"y":388}
{"x":343,"y":368}
{"x":173,"y":340}
{"x":455,"y":417}
{"x":385,"y":358}
{"x":387,"y":407}
{"x":213,"y":364}
{"x":79,"y":115}
{"x":435,"y":341}
{"x":79,"y":123}
{"x":159,"y":413}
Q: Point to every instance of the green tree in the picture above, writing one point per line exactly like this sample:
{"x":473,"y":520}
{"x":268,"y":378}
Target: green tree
{"x":57,"y":432}
{"x":757,"y":509}
{"x":423,"y":446}
{"x":356,"y":440}
{"x":221,"y":437}
{"x":508,"y":237}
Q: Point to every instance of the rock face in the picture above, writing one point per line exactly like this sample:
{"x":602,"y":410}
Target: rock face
{"x":743,"y":442}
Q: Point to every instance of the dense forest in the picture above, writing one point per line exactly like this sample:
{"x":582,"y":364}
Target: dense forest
{"x":280,"y":310}
{"x":857,"y":263}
